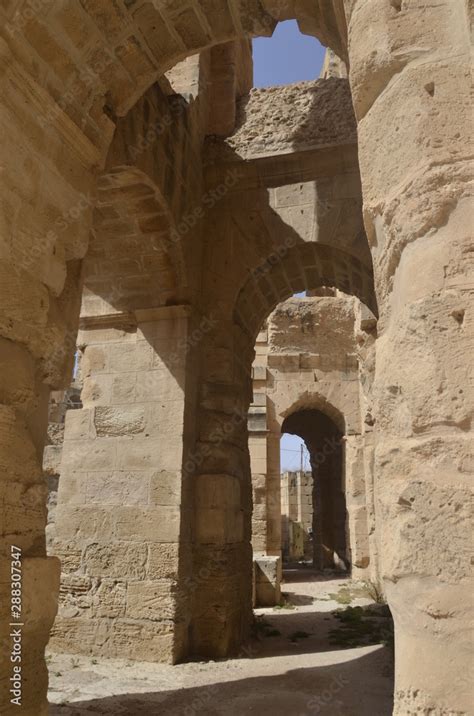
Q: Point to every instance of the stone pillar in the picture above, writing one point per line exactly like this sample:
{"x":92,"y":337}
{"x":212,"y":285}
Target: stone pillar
{"x":358,"y":551}
{"x":266,"y":515}
{"x":258,"y":462}
{"x":124,"y":520}
{"x":273,"y":495}
{"x":410,"y":80}
{"x":29,"y":581}
{"x":222,"y":564}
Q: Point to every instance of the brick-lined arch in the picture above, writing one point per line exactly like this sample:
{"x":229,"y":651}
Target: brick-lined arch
{"x":124,"y":46}
{"x":305,"y":266}
{"x":314,"y":400}
{"x":134,"y":260}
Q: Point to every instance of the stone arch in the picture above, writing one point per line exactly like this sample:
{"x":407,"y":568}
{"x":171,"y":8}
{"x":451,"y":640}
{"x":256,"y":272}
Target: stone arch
{"x":130,"y":212}
{"x":406,"y":171}
{"x":305,"y":266}
{"x":130,"y":45}
{"x":315,"y":401}
{"x":325,"y":443}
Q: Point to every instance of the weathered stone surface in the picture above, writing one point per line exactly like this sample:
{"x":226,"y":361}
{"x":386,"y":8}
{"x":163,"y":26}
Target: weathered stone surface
{"x":228,"y":230}
{"x":118,"y":421}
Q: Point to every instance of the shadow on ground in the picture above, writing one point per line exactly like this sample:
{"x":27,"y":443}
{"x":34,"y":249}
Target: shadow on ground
{"x":356,"y":687}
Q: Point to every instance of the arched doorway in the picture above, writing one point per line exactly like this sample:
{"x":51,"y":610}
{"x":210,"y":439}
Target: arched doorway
{"x":324,"y":441}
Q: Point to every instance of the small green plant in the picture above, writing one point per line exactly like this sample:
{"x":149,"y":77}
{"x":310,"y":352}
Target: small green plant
{"x":343,"y":596}
{"x":361,"y":626}
{"x":374,"y":592}
{"x":95,"y":662}
{"x":278,"y":607}
{"x":75,"y":663}
{"x":58,"y":673}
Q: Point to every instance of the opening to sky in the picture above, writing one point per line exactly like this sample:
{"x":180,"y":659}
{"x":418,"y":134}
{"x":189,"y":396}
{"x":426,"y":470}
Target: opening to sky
{"x":286,"y":57}
{"x":293,"y":454}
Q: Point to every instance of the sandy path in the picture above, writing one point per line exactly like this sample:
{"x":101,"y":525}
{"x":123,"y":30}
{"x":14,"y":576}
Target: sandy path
{"x":277,"y":676}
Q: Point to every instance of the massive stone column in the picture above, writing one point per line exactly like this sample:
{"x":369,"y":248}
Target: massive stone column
{"x":123,"y":524}
{"x":409,"y":73}
{"x":47,"y":178}
{"x":222,"y":563}
{"x":29,"y":581}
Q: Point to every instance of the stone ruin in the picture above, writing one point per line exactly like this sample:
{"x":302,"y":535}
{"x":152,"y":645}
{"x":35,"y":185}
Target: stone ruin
{"x":156,"y":210}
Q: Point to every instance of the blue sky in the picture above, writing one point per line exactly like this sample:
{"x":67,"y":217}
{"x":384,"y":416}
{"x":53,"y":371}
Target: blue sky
{"x":287,"y":57}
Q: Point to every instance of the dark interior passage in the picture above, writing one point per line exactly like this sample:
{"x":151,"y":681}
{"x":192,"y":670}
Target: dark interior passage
{"x":324,"y":440}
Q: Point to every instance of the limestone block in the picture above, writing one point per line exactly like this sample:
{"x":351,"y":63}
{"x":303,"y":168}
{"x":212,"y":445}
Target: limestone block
{"x":219,"y":365}
{"x":109,"y":600}
{"x":68,"y":554}
{"x":122,"y":638}
{"x":257,"y":418}
{"x":216,"y":492}
{"x":83,"y":523}
{"x":83,"y":455}
{"x":259,"y":372}
{"x":52,"y":459}
{"x":259,"y":511}
{"x":119,"y":560}
{"x":157,"y":524}
{"x":165,"y":417}
{"x":122,"y":388}
{"x":267,"y":580}
{"x":221,"y":526}
{"x":129,"y":356}
{"x":117,"y":421}
{"x":72,"y":488}
{"x":260,"y":136}
{"x":151,"y":600}
{"x":165,"y":488}
{"x":150,"y":385}
{"x":78,"y":424}
{"x":146,"y":453}
{"x":94,"y":360}
{"x":97,"y":390}
{"x":163,"y":561}
{"x":117,"y":488}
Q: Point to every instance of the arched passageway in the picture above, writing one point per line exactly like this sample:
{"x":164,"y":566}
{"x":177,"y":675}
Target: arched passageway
{"x":324,"y":440}
{"x":60,"y":125}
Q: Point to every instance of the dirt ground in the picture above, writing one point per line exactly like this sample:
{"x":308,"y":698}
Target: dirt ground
{"x":292,"y":667}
